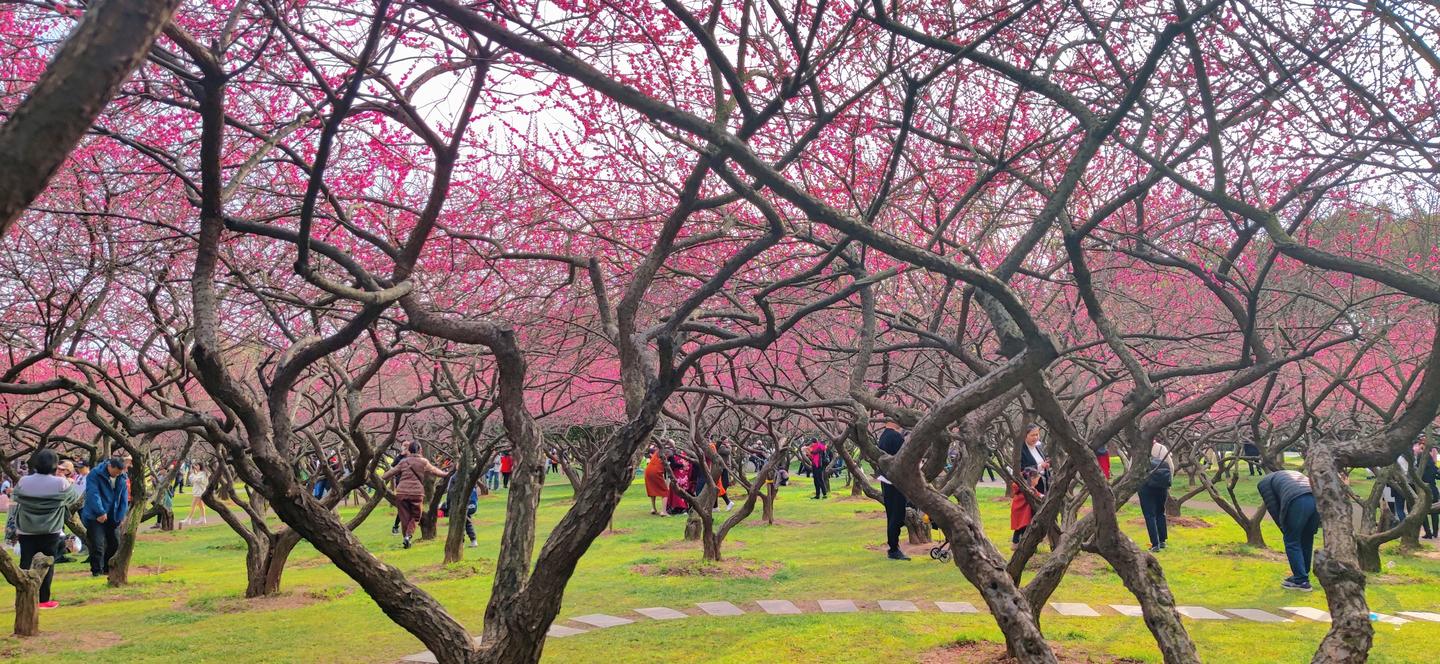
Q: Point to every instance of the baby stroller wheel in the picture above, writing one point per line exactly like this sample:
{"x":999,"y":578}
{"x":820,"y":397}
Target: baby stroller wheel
{"x":938,"y":553}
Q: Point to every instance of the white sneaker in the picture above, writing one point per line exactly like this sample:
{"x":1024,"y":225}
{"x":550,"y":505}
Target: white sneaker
{"x":474,"y":544}
{"x":729,"y":506}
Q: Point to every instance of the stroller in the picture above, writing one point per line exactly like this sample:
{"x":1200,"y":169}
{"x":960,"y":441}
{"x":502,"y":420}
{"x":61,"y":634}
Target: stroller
{"x":941,"y":551}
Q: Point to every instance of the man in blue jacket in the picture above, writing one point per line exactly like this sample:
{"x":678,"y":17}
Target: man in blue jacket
{"x":1291,"y":504}
{"x":107,"y":499}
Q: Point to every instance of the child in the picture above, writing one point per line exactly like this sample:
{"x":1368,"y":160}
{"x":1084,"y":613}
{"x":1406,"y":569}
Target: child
{"x":1021,"y":512}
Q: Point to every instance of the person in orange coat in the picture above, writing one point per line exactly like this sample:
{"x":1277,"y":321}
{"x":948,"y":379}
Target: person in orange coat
{"x":655,"y":485}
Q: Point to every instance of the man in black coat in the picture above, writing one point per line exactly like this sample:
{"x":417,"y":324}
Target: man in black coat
{"x":890,"y":441}
{"x":1291,"y":504}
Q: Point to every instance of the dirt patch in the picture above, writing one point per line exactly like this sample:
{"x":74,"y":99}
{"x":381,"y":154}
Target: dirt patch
{"x":1427,"y":553}
{"x":460,"y":570}
{"x":617,"y":531}
{"x":688,"y":545}
{"x":726,"y":569}
{"x":870,"y":514}
{"x":788,"y":523}
{"x":1177,"y":522}
{"x":278,"y":602}
{"x":986,"y":652}
{"x":1089,"y":564}
{"x":912,"y":550}
{"x":1245,"y":551}
{"x":60,"y":641}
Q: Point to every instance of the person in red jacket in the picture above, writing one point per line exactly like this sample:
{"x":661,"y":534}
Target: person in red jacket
{"x":507,"y":466}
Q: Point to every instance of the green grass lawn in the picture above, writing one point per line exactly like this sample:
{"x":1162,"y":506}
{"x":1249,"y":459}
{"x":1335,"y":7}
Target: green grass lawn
{"x":185,"y":603}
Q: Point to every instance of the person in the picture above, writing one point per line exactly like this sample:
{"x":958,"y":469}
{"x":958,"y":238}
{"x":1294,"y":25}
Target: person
{"x":1022,"y":513}
{"x":492,"y":476}
{"x":819,"y":462}
{"x":409,"y":474}
{"x":470,"y":507}
{"x":1392,"y":494}
{"x":199,"y":482}
{"x":890,"y":442}
{"x":1102,"y":456}
{"x":107,"y":500}
{"x":395,"y":527}
{"x":1031,"y":457}
{"x":42,"y":500}
{"x":1291,"y":505}
{"x":679,"y":480}
{"x":1154,"y":492}
{"x":1252,"y":458}
{"x":82,"y":475}
{"x":1425,"y":460}
{"x":722,"y":478}
{"x":655,"y":485}
{"x":507,"y":466}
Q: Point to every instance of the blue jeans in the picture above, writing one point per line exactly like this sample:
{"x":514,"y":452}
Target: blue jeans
{"x":1301,"y":523}
{"x":1152,"y":505}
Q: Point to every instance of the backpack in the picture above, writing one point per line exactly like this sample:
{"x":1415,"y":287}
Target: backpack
{"x":1159,"y":477}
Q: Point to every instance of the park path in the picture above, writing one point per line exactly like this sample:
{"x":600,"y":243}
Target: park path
{"x":584,"y":624}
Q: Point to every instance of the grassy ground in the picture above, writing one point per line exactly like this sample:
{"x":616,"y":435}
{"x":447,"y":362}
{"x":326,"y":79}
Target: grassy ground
{"x":185,"y":603}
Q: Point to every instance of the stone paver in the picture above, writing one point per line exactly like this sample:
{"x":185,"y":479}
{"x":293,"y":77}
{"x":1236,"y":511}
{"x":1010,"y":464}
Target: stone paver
{"x":837,"y":606}
{"x":1421,"y":615}
{"x":1200,"y":613}
{"x":426,"y":657}
{"x":1308,"y":613}
{"x":1390,"y":620}
{"x":778,"y":607}
{"x":661,"y":613}
{"x":956,"y":607}
{"x":720,"y":608}
{"x":1128,"y":610}
{"x":898,"y":606}
{"x":1257,"y":615}
{"x":561,"y":631}
{"x":1075,"y":609}
{"x":602,"y":620}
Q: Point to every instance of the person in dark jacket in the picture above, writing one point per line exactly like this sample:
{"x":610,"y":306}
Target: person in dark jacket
{"x":1291,"y":504}
{"x":890,"y":442}
{"x":1154,"y":493}
{"x":1425,"y":461}
{"x":1032,"y":458}
{"x":41,"y":502}
{"x":1250,"y":452}
{"x":107,"y":500}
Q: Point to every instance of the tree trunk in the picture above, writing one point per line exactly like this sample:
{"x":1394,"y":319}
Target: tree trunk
{"x":27,"y":589}
{"x":916,"y":527}
{"x":264,"y":570}
{"x":1337,"y":565}
{"x":710,"y":545}
{"x":1254,"y":534}
{"x":767,"y":503}
{"x":120,"y":559}
{"x":693,"y":526}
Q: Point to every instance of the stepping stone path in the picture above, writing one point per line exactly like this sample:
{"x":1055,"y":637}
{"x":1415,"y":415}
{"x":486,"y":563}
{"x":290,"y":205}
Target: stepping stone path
{"x":956,"y":607}
{"x":601,"y":620}
{"x":1074,"y":610}
{"x":783,"y":607}
{"x":1421,"y":615}
{"x":1258,"y":616}
{"x":1307,"y":612}
{"x":1200,"y":613}
{"x":778,"y":607}
{"x":661,"y":613}
{"x":720,"y":609}
{"x":898,"y":606}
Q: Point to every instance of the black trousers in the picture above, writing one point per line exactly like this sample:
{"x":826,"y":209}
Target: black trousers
{"x":505,"y":479}
{"x":820,"y":485}
{"x":49,"y":545}
{"x":103,"y":542}
{"x":894,"y":514}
